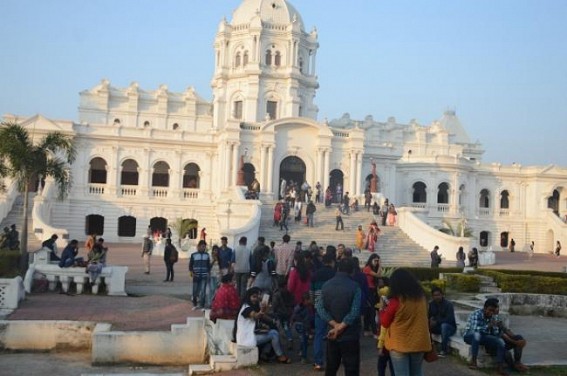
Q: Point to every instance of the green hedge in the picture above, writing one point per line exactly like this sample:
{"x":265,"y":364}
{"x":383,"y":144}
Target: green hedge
{"x":427,"y":285}
{"x":429,"y":274}
{"x":9,"y":261}
{"x":463,"y":282}
{"x":522,"y":272}
{"x":526,"y":283}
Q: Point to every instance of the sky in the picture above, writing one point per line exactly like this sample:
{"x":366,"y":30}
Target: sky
{"x":501,"y":64}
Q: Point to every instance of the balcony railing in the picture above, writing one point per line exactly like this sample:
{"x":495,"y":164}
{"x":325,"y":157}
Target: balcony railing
{"x":160,"y":192}
{"x":128,"y":191}
{"x":442,"y":208}
{"x":418,"y":205}
{"x":484,"y":212}
{"x":96,"y":189}
{"x":190,"y":193}
{"x":504,"y":212}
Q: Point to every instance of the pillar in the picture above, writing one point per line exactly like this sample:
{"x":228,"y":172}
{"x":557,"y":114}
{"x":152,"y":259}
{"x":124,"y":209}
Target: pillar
{"x":271,"y":169}
{"x":235,"y":164}
{"x":358,"y":173}
{"x":326,"y":169}
{"x":352,"y":177}
{"x":263,"y":172}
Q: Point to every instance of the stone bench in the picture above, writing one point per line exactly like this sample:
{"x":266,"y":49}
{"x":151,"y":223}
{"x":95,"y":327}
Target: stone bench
{"x":114,"y":276}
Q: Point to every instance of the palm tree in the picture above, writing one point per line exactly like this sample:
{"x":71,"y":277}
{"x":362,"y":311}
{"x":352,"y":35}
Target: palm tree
{"x":22,"y":159}
{"x":461,"y":231}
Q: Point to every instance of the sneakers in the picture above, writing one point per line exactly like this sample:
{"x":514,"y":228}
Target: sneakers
{"x":442,"y":354}
{"x":318,"y":368}
{"x":197,"y":308}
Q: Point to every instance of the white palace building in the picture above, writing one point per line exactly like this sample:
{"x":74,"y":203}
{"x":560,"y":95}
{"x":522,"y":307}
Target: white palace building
{"x":151,"y":157}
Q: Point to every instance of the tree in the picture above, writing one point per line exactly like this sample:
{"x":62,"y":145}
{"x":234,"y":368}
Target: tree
{"x":461,"y":231}
{"x":24,"y":160}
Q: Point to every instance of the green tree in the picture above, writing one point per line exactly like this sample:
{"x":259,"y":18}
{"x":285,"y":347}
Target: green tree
{"x":24,"y":160}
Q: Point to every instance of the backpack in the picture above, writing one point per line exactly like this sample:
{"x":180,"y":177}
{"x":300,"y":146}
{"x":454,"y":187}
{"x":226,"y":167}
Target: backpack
{"x":174,"y":256}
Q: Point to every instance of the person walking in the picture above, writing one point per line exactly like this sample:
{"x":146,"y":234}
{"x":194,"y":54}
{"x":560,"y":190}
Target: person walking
{"x":512,"y":245}
{"x":310,"y":213}
{"x":405,"y":317}
{"x":558,"y":249}
{"x":147,"y":248}
{"x":435,"y":257}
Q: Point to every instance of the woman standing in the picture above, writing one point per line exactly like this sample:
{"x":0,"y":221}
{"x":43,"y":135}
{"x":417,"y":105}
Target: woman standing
{"x":392,"y":215}
{"x":372,"y":270}
{"x":214,"y":274}
{"x":461,"y":258}
{"x":405,"y":317}
{"x":558,"y":249}
{"x":299,"y":280}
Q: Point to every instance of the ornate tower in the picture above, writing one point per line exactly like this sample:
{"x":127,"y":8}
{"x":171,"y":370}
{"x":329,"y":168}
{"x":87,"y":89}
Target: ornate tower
{"x":264,"y":65}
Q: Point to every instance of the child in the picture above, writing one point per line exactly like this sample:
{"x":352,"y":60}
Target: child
{"x":282,"y":306}
{"x":383,"y":354}
{"x":302,"y":318}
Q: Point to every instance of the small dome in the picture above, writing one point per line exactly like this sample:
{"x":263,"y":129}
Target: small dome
{"x":277,"y":12}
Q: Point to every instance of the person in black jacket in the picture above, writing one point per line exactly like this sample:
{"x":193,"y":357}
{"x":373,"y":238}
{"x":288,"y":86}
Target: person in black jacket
{"x":441,"y":316}
{"x":339,"y":306}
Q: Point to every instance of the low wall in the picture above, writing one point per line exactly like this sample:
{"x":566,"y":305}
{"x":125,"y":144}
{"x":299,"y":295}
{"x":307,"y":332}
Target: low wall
{"x":185,"y":344}
{"x":11,"y":292}
{"x":531,"y":304}
{"x":36,"y":335}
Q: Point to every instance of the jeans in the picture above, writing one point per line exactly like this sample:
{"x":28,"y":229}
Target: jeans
{"x":241,"y":283}
{"x":407,"y":364}
{"x":304,"y":336}
{"x":310,"y":220}
{"x":446,"y":330}
{"x":318,"y":340}
{"x":340,"y":220}
{"x":199,"y":290}
{"x":273,"y":337}
{"x":491,"y":343}
{"x":516,"y":349}
{"x":169,"y":269}
{"x":384,"y":361}
{"x":347,"y":352}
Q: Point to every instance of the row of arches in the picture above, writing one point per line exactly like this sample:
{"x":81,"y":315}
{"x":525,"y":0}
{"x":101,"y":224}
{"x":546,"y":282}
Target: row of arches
{"x":419,"y":195}
{"x":126,"y":226}
{"x":129,"y":173}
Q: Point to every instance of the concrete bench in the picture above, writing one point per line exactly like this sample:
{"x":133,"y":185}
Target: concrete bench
{"x":114,"y":276}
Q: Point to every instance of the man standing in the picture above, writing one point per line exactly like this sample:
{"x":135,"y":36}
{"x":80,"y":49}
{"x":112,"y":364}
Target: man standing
{"x":242,"y":266}
{"x":147,"y":248}
{"x":339,"y":218}
{"x":435,"y":257}
{"x":320,"y":277}
{"x":339,"y":306}
{"x":346,"y":204}
{"x":199,"y":268}
{"x":441,"y":316}
{"x":482,"y":330}
{"x":226,"y":257}
{"x":284,"y":258}
{"x":310,"y":212}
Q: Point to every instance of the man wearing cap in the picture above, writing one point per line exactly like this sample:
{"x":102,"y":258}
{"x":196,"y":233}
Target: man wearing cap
{"x":226,"y":257}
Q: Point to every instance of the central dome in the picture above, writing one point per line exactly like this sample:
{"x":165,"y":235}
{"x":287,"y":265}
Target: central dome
{"x":278,"y":12}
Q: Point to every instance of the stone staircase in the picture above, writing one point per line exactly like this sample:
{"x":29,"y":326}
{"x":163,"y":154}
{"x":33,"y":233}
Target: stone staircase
{"x":16,"y":216}
{"x":394,"y":246}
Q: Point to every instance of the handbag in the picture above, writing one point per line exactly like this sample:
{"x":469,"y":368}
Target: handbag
{"x":431,"y":355}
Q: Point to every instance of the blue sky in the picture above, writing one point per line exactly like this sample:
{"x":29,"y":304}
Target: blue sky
{"x":502,"y":64}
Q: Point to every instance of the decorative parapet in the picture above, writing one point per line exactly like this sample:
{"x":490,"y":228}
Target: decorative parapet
{"x":11,"y":292}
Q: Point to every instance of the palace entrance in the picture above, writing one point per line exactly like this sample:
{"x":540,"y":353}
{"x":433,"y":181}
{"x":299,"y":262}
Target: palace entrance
{"x":336,"y":183}
{"x":292,"y":169}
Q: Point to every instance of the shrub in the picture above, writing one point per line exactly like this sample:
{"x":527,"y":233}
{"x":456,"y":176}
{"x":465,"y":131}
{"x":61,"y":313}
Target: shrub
{"x":429,"y":274}
{"x":529,"y":283}
{"x":9,"y":261}
{"x":463,"y":282}
{"x":427,"y":285}
{"x":522,"y":272}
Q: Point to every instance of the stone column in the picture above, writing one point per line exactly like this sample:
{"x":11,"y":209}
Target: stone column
{"x":270,"y":169}
{"x":263,"y":180}
{"x":358,"y":173}
{"x":225,"y":166}
{"x":352,"y":177}
{"x":235,"y":164}
{"x":326,"y":169}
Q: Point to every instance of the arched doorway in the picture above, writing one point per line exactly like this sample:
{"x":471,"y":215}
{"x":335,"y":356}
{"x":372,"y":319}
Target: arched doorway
{"x":94,"y":224}
{"x":504,"y":239}
{"x":249,"y":173}
{"x":292,"y":169}
{"x":158,"y":225}
{"x":336,"y":178}
{"x":553,"y":202}
{"x":484,"y":238}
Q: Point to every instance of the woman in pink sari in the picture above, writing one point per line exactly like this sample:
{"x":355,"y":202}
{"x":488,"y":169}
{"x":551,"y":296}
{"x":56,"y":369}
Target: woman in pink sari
{"x":372,"y":237}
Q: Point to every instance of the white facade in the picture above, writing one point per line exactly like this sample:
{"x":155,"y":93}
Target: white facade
{"x":157,"y":154}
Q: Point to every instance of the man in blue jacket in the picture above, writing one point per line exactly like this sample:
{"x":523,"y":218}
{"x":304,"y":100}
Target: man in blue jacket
{"x":441,"y":318}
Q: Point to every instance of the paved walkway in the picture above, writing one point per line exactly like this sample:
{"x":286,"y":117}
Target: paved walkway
{"x":155,"y":305}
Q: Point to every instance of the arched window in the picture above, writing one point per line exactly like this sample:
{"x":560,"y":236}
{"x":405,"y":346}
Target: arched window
{"x":443,"y":193}
{"x":94,"y":224}
{"x":268,"y":57}
{"x":97,"y":171}
{"x":129,"y":173}
{"x":278,"y":59}
{"x":461,"y":194}
{"x":237,"y":60}
{"x":553,"y":201}
{"x":272,"y":109}
{"x":419,"y":192}
{"x":191,"y":173}
{"x":484,"y":199}
{"x":127,"y":226}
{"x":484,"y":239}
{"x":160,"y":176}
{"x":300,"y":65}
{"x":504,"y":200}
{"x":146,"y":124}
{"x":245,"y":59}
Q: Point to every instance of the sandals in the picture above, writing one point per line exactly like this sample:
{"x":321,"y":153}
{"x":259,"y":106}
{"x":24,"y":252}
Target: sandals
{"x":283,"y":359}
{"x":473,"y":366}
